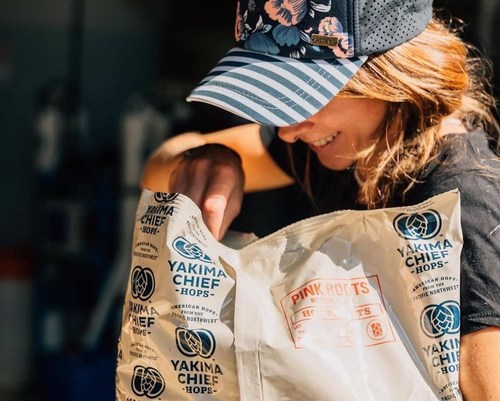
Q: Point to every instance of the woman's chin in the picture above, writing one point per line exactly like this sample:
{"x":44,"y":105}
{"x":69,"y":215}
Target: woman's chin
{"x":336,"y":163}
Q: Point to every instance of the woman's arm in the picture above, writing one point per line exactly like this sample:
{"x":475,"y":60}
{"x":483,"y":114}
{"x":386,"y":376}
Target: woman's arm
{"x":480,"y":365}
{"x":261,"y":172}
{"x":214,"y":177}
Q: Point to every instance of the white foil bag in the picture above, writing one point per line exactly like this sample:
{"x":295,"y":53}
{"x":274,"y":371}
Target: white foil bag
{"x":346,"y":306}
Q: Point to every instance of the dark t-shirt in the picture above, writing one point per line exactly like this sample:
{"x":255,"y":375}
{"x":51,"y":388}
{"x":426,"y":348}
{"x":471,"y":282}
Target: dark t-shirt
{"x":455,"y":167}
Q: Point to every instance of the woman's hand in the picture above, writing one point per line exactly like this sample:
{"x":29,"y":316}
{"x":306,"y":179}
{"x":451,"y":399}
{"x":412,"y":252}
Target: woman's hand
{"x":212,"y":176}
{"x":200,"y":166}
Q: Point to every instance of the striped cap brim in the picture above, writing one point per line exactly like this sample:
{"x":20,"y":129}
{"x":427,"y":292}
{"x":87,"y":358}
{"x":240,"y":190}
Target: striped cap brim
{"x":274,"y":90}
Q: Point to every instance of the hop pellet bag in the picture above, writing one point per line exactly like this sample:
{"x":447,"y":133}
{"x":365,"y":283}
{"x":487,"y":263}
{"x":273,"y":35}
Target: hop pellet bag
{"x":346,"y":306}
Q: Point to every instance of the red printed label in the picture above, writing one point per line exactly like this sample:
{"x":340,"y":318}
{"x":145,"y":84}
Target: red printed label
{"x":337,"y":313}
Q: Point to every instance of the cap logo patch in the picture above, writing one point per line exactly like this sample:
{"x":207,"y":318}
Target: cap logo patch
{"x":322,"y":40}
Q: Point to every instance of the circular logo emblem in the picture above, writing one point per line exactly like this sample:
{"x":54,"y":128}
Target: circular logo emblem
{"x":195,"y":342}
{"x":376,"y":329}
{"x":418,"y":225}
{"x":147,"y":382}
{"x":438,"y":320}
{"x":164,"y":197}
{"x":142,"y":283}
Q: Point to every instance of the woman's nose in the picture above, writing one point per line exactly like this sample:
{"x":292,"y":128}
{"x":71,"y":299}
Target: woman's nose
{"x":293,"y":133}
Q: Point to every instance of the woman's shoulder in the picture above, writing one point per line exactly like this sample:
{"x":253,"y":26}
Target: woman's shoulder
{"x":460,"y":149}
{"x":470,"y":153}
{"x":465,"y":162}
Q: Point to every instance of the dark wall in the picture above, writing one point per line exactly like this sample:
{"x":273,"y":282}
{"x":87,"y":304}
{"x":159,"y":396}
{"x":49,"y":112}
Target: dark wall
{"x":38,"y":49}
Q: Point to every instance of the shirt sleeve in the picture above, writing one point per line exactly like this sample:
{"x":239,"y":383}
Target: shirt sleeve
{"x":480,"y":265}
{"x":480,"y":219}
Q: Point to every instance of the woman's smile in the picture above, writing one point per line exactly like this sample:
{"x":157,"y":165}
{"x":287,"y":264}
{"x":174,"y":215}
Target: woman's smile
{"x":340,"y":131}
{"x":324,"y":141}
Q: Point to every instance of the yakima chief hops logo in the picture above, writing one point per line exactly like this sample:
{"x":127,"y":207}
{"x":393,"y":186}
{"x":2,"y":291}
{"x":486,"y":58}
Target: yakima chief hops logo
{"x":198,"y":276}
{"x":195,"y":342}
{"x":415,"y":226}
{"x":147,"y":382}
{"x":157,"y":213}
{"x":142,"y":283}
{"x":438,"y":320}
{"x":200,"y":374}
{"x":190,"y":250}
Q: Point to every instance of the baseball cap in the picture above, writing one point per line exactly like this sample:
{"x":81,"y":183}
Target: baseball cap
{"x":293,"y":56}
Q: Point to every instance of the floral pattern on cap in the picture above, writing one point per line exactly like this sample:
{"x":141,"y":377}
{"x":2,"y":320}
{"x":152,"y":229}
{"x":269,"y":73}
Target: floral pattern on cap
{"x":289,"y":24}
{"x":286,"y":12}
{"x":331,"y":26}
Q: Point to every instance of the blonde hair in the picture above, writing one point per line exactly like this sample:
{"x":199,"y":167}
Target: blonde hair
{"x":432,"y":76}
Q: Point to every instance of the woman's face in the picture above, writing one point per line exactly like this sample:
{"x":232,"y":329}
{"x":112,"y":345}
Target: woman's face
{"x":339,"y":131}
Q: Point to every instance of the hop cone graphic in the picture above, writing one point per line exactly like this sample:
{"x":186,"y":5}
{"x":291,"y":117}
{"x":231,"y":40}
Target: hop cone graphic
{"x":417,"y":226}
{"x":377,"y":330}
{"x":148,"y":383}
{"x":194,"y":251}
{"x":140,"y":284}
{"x":442,"y":319}
{"x":193,"y":341}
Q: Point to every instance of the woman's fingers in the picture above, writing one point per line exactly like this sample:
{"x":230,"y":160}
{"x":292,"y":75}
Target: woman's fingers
{"x":222,"y":198}
{"x":214,"y":181}
{"x":179,"y":180}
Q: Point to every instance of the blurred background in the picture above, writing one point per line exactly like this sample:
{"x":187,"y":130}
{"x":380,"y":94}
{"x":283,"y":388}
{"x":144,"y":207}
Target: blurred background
{"x":87,"y":89}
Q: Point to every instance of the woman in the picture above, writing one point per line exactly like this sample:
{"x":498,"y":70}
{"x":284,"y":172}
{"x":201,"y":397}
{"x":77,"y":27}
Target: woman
{"x":413,"y":121}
